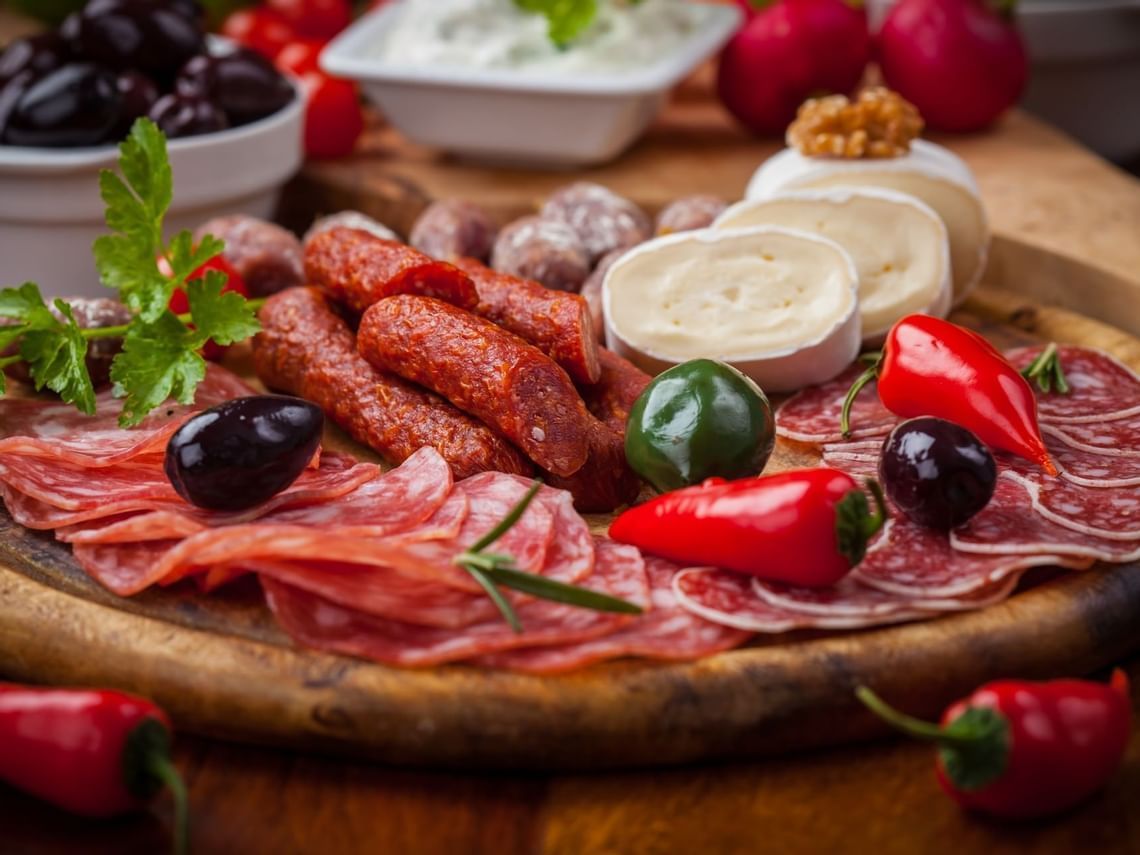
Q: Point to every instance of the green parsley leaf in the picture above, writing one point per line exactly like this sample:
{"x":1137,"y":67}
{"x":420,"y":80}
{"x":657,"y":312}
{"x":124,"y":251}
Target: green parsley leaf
{"x":26,"y":305}
{"x":56,"y":358}
{"x":158,"y":361}
{"x":225,"y":318}
{"x":566,"y":19}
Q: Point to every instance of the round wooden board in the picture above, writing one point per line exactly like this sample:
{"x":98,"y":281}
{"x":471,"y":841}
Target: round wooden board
{"x":221,"y":667}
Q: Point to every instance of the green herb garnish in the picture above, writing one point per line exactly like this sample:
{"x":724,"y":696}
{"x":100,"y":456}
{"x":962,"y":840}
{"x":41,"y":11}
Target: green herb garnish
{"x":566,"y":19}
{"x":160,"y":357}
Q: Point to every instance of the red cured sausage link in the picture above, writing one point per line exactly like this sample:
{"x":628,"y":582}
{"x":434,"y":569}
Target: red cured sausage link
{"x":613,"y":396}
{"x":556,"y":322}
{"x":484,"y":370}
{"x":356,"y":269}
{"x":306,"y":349}
{"x":605,"y":482}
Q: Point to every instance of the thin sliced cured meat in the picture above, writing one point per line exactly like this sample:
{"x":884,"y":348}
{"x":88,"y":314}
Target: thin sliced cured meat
{"x":852,"y":598}
{"x":729,"y":598}
{"x":1008,"y":525}
{"x":668,"y":631}
{"x":1101,"y":387}
{"x":1090,"y":468}
{"x":855,"y":464}
{"x":812,"y":415}
{"x":314,"y":622}
{"x":1115,"y":438}
{"x":1113,"y":514}
{"x":50,"y":428}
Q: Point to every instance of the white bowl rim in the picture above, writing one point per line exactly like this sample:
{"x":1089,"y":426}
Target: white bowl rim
{"x":342,"y":57}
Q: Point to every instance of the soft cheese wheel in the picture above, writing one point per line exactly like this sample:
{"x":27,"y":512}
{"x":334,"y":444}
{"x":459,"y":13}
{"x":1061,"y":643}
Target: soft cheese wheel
{"x":930,"y":172}
{"x":898,"y":244}
{"x":779,"y":304}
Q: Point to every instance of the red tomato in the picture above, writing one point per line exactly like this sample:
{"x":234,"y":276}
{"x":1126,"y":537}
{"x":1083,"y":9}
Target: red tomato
{"x":315,"y":19}
{"x":334,"y":120}
{"x":259,"y":29}
{"x":300,"y":57}
{"x":180,"y":305}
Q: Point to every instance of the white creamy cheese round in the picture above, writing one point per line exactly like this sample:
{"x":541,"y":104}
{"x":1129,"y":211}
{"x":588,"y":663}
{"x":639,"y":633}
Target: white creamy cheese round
{"x":898,"y":243}
{"x":779,"y":304}
{"x":929,"y":172}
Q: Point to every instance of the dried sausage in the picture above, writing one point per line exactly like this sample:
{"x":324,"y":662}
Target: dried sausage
{"x":605,"y":482}
{"x":485,"y":371}
{"x":555,"y":322}
{"x":356,"y":269}
{"x":454,"y":228}
{"x":267,"y":256}
{"x":547,"y":251}
{"x":689,"y":213}
{"x":306,"y":349}
{"x":603,"y":220}
{"x":348,"y":220}
{"x":613,"y":396}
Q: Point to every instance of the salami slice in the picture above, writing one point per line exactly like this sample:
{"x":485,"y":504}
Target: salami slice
{"x":1089,"y":468}
{"x":318,"y":623}
{"x":1113,"y":514}
{"x":729,"y":599}
{"x":667,"y":631}
{"x":1115,"y":438}
{"x":850,"y":597}
{"x":1008,"y":525}
{"x":1101,"y":388}
{"x":812,"y":415}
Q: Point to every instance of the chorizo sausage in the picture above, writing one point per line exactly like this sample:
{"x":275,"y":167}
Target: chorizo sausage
{"x":306,"y":349}
{"x":267,"y":256}
{"x":605,"y":482}
{"x":485,"y":371}
{"x":613,"y":396}
{"x":356,"y":269}
{"x":556,"y":322}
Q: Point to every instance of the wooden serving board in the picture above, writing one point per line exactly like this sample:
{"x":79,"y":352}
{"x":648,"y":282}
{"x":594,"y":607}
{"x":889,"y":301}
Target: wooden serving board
{"x":222,"y":668}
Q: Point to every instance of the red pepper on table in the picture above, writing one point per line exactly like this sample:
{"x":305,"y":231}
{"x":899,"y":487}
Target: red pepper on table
{"x":1018,"y":749}
{"x":804,"y":527}
{"x":94,"y":753}
{"x":931,"y":367}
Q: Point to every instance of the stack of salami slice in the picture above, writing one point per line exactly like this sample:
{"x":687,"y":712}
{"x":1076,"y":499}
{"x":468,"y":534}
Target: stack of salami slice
{"x":1090,"y":513}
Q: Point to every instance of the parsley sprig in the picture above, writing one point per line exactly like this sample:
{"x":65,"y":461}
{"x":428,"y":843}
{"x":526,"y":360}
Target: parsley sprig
{"x":566,"y":19}
{"x":160,"y":358}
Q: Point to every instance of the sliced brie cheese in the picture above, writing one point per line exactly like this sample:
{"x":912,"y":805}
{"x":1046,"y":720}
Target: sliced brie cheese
{"x":930,"y":172}
{"x":899,"y":246}
{"x":779,"y":304}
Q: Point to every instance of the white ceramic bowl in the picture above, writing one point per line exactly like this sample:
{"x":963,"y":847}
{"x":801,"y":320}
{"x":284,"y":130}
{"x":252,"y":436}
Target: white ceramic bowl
{"x":51,"y":211}
{"x":518,"y":116}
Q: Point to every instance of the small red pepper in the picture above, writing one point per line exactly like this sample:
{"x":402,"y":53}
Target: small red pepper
{"x":1020,"y":750}
{"x":804,"y":527}
{"x":94,"y":753}
{"x":931,"y":367}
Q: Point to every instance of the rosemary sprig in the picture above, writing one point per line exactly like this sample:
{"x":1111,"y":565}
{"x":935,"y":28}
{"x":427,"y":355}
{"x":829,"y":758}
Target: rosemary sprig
{"x":1046,"y":371}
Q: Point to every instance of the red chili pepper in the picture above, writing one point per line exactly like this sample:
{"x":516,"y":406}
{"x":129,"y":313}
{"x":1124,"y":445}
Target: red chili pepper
{"x":1018,"y":749}
{"x":931,"y":367}
{"x":805,"y":527}
{"x":95,"y":753}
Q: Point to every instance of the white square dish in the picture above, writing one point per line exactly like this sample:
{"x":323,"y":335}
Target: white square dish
{"x":521,"y":116}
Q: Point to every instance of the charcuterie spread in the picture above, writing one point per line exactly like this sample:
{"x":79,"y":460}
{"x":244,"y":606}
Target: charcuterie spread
{"x":584,"y":359}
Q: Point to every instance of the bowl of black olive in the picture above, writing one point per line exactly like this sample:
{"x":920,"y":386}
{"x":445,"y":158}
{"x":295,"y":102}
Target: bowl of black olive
{"x":69,"y":96}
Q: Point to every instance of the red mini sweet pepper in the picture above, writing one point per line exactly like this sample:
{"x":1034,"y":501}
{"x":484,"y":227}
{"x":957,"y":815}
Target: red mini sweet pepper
{"x":931,"y":367}
{"x":91,"y":752}
{"x":1019,"y":749}
{"x":805,"y":527}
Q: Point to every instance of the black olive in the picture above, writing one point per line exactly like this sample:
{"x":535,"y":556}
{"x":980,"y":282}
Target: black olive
{"x":139,"y":95}
{"x":10,"y":95}
{"x":39,"y":54}
{"x":241,"y":453}
{"x":76,"y":105}
{"x":191,"y":9}
{"x":136,"y":34}
{"x":938,"y":473}
{"x":187,"y":116}
{"x":243,"y":83}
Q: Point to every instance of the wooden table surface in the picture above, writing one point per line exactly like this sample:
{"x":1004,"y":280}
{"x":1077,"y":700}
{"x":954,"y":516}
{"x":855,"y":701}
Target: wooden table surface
{"x":880,"y":798}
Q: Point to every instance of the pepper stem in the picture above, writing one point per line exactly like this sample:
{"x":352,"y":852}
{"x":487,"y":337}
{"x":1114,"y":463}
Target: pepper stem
{"x":164,"y":770}
{"x":147,"y":767}
{"x":866,"y":377}
{"x":1046,"y":371}
{"x":900,"y":721}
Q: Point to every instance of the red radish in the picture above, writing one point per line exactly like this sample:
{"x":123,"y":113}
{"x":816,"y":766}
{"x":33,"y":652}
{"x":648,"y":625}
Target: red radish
{"x":960,"y":62}
{"x":787,"y":52}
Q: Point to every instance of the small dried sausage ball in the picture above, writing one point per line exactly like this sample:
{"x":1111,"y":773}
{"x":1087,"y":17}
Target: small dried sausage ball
{"x":547,"y":251}
{"x":266,"y":256}
{"x":349,"y":220}
{"x":602,"y":219}
{"x":592,"y":290}
{"x":454,"y":228}
{"x":689,"y":213}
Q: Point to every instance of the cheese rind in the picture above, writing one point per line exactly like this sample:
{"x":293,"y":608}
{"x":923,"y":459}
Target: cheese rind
{"x":779,"y":304}
{"x":898,"y":243}
{"x":929,"y":172}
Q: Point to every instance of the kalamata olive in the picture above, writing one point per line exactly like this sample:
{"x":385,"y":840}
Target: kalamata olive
{"x":39,"y":54}
{"x":139,"y":95}
{"x":190,"y":9}
{"x":241,"y":453}
{"x":10,"y":95}
{"x":187,"y":116}
{"x":244,"y":84}
{"x":938,"y":473}
{"x":76,"y":105}
{"x":137,"y":34}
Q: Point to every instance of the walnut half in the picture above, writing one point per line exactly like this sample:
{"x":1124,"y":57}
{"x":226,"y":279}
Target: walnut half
{"x":878,"y":124}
